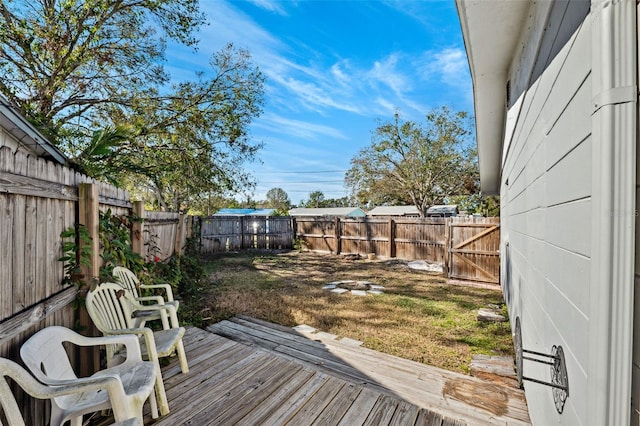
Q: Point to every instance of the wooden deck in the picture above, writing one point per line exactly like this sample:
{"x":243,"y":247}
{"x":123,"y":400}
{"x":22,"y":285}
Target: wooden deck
{"x":249,"y":372}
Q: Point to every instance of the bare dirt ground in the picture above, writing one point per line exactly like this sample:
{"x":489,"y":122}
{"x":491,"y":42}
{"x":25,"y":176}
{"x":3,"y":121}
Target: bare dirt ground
{"x":417,"y":316}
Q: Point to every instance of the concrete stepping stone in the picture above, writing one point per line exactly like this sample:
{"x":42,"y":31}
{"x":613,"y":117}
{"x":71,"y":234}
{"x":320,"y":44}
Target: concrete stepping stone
{"x":490,"y":315}
{"x":322,"y":335}
{"x":304,"y":328}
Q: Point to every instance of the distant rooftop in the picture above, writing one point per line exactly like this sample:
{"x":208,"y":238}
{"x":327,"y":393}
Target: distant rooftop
{"x":394,"y":211}
{"x":328,"y":211}
{"x":245,"y":212}
{"x":443,"y":210}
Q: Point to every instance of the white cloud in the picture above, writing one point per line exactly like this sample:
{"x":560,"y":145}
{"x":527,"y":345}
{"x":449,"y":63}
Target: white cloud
{"x":317,"y":97}
{"x":228,"y":24}
{"x":386,"y":107}
{"x":297,"y":128}
{"x":448,"y":66}
{"x":386,"y":72}
{"x":271,"y":6}
{"x":340,"y":73}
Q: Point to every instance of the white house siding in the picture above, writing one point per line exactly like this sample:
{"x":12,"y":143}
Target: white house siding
{"x":546,"y":189}
{"x":635,"y":368}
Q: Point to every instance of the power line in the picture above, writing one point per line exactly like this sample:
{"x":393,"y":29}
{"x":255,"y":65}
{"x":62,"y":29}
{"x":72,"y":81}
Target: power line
{"x":301,"y":181}
{"x":306,"y":171}
{"x":310,"y":191}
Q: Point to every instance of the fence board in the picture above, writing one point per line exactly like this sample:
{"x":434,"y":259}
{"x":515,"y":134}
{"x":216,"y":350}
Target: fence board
{"x":160,"y":232}
{"x":405,"y":238}
{"x":475,"y":249}
{"x":31,"y":317}
{"x":319,"y":233}
{"x":18,"y":231}
{"x":6,"y":305}
{"x":469,"y":248}
{"x":231,"y":233}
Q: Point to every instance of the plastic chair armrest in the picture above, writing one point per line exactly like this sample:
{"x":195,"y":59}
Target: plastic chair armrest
{"x":166,"y":287}
{"x":159,"y":300}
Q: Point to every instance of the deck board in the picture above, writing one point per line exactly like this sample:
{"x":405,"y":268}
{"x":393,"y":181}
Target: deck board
{"x":338,"y":406}
{"x":360,"y":408}
{"x":248,"y":372}
{"x":296,"y":400}
{"x":274,"y":401}
{"x":452,"y":394}
{"x":240,"y":408}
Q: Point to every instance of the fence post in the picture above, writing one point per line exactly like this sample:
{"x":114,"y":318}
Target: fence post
{"x":89,"y":216}
{"x":392,"y":238}
{"x":137,"y":230}
{"x":189,"y":226}
{"x":337,"y":232}
{"x":294,"y":230}
{"x":447,"y":246}
{"x":180,"y":232}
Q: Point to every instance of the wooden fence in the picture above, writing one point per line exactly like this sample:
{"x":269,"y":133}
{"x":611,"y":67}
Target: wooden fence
{"x":165,"y":234}
{"x":473,"y":249}
{"x":231,"y":233}
{"x":468,"y":247}
{"x":38,"y":200}
{"x":405,"y":238}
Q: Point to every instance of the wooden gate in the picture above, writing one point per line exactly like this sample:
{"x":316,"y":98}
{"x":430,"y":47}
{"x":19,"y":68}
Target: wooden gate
{"x":474,"y":249}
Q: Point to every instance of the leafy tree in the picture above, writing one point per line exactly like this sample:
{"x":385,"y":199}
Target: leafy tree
{"x":415,"y":164}
{"x":338,"y":202}
{"x":476,"y":203}
{"x":316,"y":200}
{"x":278,"y":199}
{"x":196,"y":141}
{"x":74,"y":66}
{"x":60,"y":60}
{"x":208,"y":205}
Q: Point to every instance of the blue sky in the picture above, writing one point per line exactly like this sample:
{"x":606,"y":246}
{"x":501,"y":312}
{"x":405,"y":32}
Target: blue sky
{"x":333,"y":69}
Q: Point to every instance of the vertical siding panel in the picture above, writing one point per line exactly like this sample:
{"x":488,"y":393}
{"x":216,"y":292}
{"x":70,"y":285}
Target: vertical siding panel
{"x":545,"y":223}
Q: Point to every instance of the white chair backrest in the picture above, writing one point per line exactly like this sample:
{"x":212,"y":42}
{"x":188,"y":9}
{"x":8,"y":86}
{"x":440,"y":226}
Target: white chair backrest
{"x":46,"y":356}
{"x":109,"y":306}
{"x":127,"y":279}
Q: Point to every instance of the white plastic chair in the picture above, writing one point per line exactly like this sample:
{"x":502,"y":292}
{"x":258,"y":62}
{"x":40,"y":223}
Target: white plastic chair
{"x":128,"y":384}
{"x":36,"y":389}
{"x":141,"y":314}
{"x":110,"y":307}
